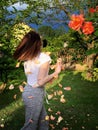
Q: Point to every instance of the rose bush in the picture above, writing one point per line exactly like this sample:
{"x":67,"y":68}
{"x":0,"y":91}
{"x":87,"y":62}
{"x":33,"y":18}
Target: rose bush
{"x":84,"y":39}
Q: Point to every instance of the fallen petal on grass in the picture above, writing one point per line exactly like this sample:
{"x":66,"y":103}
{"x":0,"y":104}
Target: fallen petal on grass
{"x":21,"y":88}
{"x":67,"y":88}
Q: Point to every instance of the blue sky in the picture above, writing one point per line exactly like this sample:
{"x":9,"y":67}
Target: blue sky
{"x":18,"y":6}
{"x":56,"y":24}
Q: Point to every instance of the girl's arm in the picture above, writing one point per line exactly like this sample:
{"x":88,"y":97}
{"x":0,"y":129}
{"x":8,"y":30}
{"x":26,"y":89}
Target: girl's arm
{"x":43,"y":76}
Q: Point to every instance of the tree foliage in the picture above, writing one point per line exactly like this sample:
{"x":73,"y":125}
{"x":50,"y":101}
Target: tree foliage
{"x":33,"y":11}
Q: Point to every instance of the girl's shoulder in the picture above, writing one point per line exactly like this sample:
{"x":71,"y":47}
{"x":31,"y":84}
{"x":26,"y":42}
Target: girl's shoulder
{"x":44,"y":57}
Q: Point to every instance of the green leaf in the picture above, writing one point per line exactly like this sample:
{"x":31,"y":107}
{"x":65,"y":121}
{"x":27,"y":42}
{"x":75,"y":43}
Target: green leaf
{"x":96,"y":33}
{"x":91,"y":51}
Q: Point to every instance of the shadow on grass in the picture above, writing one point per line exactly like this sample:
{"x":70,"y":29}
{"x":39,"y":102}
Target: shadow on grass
{"x":8,"y":97}
{"x":16,"y":120}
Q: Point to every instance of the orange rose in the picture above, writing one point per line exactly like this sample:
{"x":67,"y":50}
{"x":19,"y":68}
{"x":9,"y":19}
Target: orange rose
{"x":76,"y":22}
{"x":88,"y":28}
{"x":92,"y":10}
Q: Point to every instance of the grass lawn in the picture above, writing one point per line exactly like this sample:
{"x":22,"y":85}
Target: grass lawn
{"x":76,"y":109}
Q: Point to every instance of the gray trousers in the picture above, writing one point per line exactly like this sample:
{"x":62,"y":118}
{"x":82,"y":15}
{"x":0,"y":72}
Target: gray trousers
{"x":35,"y":112}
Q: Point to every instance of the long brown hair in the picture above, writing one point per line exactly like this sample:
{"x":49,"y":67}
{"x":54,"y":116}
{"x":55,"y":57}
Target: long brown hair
{"x":29,"y":47}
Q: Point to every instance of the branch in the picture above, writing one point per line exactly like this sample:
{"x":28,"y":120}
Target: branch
{"x":63,"y":8}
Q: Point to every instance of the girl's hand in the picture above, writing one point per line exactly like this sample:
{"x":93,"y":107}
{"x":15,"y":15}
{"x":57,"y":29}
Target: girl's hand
{"x":58,"y":66}
{"x":36,"y":85}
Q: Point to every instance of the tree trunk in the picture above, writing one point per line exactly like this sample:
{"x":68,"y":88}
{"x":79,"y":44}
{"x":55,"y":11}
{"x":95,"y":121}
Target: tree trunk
{"x":90,"y":60}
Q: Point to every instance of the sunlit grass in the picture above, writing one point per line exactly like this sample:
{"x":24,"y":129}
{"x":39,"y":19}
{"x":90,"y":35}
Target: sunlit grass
{"x":78,"y":112}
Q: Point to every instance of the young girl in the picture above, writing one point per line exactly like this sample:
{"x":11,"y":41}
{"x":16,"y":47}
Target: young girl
{"x":36,"y":68}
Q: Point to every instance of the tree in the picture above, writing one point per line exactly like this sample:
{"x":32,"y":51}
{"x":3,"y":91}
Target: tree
{"x":34,"y":12}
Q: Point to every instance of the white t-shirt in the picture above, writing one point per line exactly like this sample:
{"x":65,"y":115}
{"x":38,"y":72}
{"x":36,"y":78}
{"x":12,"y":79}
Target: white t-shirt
{"x":31,"y":67}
